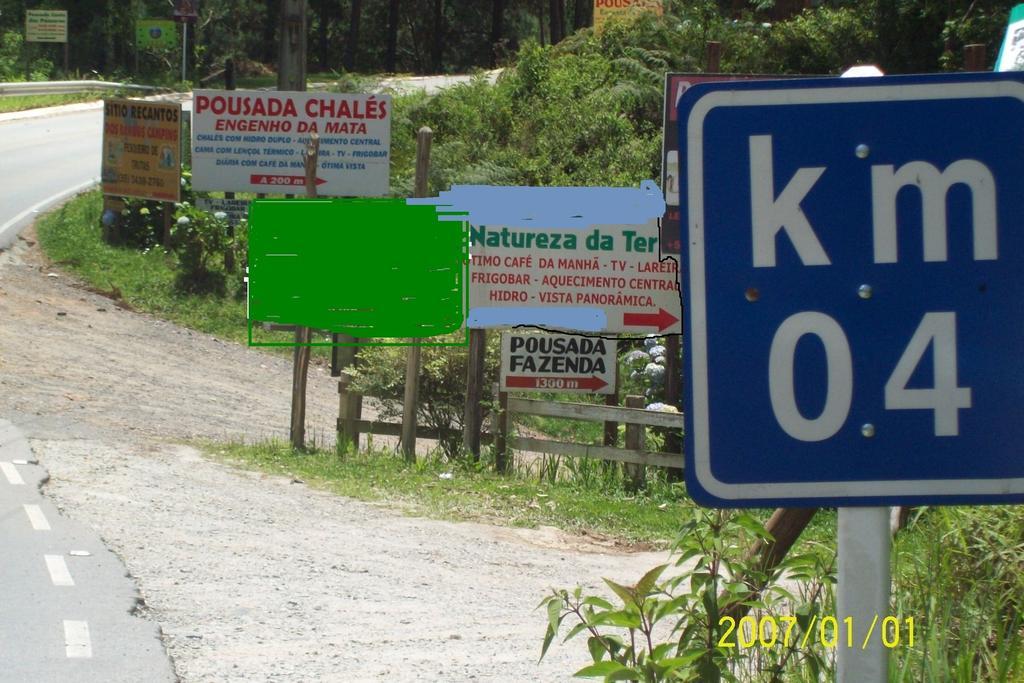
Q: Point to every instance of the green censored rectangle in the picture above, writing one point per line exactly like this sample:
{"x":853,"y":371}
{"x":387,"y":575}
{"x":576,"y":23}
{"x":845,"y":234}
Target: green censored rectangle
{"x":376,"y":269}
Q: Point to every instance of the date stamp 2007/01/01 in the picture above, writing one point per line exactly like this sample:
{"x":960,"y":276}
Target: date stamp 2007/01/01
{"x":828,"y":631}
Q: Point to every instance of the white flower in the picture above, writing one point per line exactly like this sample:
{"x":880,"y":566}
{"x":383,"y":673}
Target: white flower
{"x":220,"y":215}
{"x":184,"y":220}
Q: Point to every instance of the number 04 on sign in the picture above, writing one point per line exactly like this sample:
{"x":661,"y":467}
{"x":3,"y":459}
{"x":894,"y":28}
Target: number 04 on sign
{"x":856,"y":290}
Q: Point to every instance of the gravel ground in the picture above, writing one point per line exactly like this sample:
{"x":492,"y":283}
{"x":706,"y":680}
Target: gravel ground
{"x":255,"y":577}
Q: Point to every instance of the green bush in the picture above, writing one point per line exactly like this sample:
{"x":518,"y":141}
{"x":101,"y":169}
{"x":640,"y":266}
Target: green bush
{"x":199,"y":239}
{"x":699,"y":603}
{"x":442,"y":395}
{"x":12,"y":59}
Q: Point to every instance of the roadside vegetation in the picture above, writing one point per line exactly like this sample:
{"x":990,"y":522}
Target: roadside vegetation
{"x":22,"y":102}
{"x":590,"y":500}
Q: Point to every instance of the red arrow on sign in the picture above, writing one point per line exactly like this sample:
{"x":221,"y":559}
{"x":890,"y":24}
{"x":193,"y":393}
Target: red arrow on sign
{"x":593,"y":382}
{"x":662,"y":319}
{"x":263,"y":179}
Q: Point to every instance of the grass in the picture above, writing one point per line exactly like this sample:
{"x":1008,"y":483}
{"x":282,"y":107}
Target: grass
{"x":957,"y":573}
{"x":22,"y":102}
{"x":144,"y":280}
{"x":70,"y":237}
{"x":473,"y":492}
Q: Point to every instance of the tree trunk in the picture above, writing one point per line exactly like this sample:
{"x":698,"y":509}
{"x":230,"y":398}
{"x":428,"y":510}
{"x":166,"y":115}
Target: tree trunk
{"x":540,"y":22}
{"x":349,"y":59}
{"x":557,"y":24}
{"x":321,"y":33}
{"x":581,"y":15}
{"x":392,"y":52}
{"x":437,"y":45}
{"x":270,"y":30}
{"x":497,"y":28}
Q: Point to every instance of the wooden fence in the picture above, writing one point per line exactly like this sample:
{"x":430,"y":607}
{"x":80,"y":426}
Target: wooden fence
{"x":350,"y":426}
{"x":634,"y":417}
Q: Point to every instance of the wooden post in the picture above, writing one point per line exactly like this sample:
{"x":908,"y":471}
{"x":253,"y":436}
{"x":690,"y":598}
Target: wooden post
{"x":974,"y":57}
{"x":611,"y":428}
{"x":673,"y":437}
{"x":412,"y":359}
{"x":229,"y":253}
{"x":168,"y":220}
{"x":499,"y":429}
{"x":229,"y":74}
{"x":350,"y":406}
{"x":410,"y":401}
{"x":474,"y":392}
{"x":300,"y":371}
{"x":634,"y":441}
{"x":714,"y":57}
{"x":300,"y":368}
{"x":310,"y":158}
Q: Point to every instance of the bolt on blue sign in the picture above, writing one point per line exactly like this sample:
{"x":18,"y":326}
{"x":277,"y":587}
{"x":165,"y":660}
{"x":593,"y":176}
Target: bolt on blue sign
{"x":855,"y":290}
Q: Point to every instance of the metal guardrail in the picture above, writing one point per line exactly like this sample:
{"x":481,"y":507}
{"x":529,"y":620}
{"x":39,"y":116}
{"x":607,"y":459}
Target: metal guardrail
{"x":66,"y":87}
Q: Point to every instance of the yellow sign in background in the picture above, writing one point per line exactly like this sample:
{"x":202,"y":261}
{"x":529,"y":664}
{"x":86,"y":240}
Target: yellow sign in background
{"x":46,"y":26}
{"x":142,"y":149}
{"x":605,"y":9}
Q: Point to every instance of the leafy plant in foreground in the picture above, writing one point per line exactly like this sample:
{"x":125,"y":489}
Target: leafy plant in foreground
{"x":684,"y":627}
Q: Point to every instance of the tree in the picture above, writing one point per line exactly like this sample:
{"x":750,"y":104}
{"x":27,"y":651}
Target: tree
{"x":557,"y":20}
{"x":349,"y":59}
{"x":497,"y":28}
{"x":389,"y":64}
{"x":270,"y":20}
{"x":438,"y":38}
{"x":581,"y":14}
{"x":323,"y":21}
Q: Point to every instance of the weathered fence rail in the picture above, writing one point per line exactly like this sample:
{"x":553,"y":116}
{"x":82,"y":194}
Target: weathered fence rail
{"x":633,"y":453}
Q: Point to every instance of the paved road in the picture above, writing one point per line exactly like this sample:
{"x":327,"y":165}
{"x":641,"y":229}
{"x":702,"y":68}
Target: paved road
{"x":46,"y":158}
{"x":66,"y":602}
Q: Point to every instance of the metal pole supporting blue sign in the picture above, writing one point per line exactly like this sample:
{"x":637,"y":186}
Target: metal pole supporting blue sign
{"x":854,"y":304}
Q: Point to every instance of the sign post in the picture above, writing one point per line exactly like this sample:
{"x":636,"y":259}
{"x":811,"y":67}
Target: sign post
{"x":865,"y":344}
{"x":47,"y":26}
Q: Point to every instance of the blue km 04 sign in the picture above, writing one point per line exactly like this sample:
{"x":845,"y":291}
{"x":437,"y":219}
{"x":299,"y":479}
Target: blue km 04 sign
{"x":855,"y":313}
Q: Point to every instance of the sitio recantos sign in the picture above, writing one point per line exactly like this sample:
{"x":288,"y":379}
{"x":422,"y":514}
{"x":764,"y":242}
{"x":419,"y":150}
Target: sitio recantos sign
{"x":604,"y":278}
{"x":605,"y":9}
{"x":253,"y":141}
{"x":534,"y":361}
{"x":142,"y":149}
{"x":46,"y":26}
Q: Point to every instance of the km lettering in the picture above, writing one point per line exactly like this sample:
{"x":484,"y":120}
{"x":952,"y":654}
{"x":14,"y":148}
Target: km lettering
{"x":772,"y":214}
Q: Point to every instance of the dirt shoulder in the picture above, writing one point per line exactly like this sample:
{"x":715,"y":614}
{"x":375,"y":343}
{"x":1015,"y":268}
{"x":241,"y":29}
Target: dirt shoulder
{"x":255,"y":577}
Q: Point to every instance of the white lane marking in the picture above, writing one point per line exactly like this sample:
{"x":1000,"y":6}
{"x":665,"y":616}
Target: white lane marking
{"x":58,"y":569}
{"x":36,"y":517}
{"x":11,"y":473}
{"x":76,"y":639}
